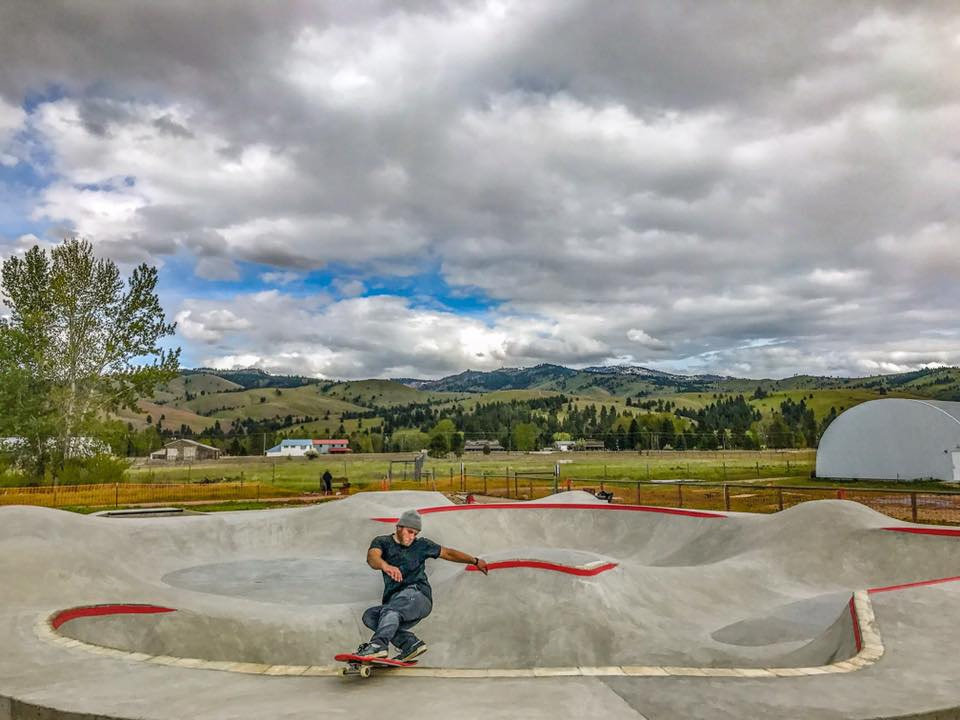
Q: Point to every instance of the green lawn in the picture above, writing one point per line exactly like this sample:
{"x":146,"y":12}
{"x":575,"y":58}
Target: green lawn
{"x":370,"y":469}
{"x":366,"y":471}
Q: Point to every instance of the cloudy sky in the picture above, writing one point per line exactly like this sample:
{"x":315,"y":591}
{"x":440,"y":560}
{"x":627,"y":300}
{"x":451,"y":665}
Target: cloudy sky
{"x":380,"y":189}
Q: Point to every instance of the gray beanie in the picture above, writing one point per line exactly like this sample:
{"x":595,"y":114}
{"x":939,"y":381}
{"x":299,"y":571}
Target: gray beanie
{"x":411,"y":519}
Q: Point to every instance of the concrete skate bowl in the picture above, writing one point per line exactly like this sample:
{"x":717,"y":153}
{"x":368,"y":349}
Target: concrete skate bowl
{"x":573,"y":583}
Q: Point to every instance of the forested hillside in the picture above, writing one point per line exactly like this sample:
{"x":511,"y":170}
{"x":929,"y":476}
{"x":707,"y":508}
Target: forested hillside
{"x":520,"y":408}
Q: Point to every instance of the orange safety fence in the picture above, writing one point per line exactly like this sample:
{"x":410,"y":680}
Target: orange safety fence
{"x":931,"y":507}
{"x":115,"y":494}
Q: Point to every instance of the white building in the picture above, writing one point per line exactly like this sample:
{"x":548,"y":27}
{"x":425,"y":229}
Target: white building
{"x":299,"y":448}
{"x":893,"y":439}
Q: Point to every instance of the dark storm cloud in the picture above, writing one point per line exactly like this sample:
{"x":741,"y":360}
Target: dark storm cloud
{"x":166,"y":125}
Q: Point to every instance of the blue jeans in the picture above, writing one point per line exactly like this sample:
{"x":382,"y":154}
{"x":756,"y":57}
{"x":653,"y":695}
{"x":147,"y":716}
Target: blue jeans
{"x":392,"y":622}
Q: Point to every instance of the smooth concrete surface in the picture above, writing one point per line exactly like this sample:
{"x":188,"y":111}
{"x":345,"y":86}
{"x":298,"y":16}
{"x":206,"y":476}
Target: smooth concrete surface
{"x":728,"y":615}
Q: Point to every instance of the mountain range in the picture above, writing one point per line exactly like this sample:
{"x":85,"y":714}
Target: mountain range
{"x":939,"y":383}
{"x":201,"y":397}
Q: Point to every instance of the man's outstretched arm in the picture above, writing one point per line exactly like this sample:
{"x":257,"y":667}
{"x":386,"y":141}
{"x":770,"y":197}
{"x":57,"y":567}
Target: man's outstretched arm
{"x":461,"y":557}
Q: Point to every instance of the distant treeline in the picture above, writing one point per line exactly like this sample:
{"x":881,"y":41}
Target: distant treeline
{"x":532,"y":424}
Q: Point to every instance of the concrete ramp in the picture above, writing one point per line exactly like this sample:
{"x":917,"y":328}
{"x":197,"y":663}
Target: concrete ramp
{"x":576,"y":587}
{"x":572,"y":582}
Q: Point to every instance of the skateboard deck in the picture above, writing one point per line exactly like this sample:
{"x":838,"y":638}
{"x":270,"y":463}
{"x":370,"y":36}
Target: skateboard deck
{"x":363,"y":666}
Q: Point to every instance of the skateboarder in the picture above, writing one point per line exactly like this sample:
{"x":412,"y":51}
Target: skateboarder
{"x":407,"y":597}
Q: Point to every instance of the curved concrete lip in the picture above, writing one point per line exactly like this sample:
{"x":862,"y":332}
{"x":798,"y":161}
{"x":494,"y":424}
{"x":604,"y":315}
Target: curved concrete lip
{"x":580,"y":594}
{"x":870,"y":649}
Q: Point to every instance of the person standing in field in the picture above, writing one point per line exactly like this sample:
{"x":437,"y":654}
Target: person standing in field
{"x":327,"y":482}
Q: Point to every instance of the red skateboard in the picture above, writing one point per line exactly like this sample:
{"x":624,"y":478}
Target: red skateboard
{"x":363,"y":666}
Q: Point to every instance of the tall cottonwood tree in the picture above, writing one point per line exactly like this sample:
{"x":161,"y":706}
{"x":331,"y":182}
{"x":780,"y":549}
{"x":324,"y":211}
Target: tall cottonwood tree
{"x":80,"y":343}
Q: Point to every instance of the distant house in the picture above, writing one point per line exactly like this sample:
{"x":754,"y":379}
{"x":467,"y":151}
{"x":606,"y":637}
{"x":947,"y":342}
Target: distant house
{"x":479,"y":445}
{"x":294,"y":447}
{"x":564,"y":445}
{"x":333,"y":447}
{"x":587,"y":445}
{"x":184,"y":450}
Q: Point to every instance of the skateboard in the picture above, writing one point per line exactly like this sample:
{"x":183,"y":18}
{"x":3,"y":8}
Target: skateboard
{"x":363,"y":666}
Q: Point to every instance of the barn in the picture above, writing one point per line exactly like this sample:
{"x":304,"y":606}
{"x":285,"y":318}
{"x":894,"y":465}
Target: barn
{"x":893,"y":439}
{"x":186,"y":450}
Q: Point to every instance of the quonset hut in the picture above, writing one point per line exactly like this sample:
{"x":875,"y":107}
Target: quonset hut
{"x":893,"y":439}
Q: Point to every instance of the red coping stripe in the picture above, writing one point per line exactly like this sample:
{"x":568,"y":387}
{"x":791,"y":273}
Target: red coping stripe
{"x":951,"y":532}
{"x":558,"y":506}
{"x":944,"y":532}
{"x":856,"y":625}
{"x":96,"y":610}
{"x":543,"y":565}
{"x":922,"y":583}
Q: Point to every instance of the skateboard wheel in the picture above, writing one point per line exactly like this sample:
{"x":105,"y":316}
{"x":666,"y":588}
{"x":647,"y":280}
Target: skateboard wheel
{"x":365,"y":671}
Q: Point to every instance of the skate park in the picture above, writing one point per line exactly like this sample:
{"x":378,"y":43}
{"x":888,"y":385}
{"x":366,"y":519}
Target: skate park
{"x":827,"y":609}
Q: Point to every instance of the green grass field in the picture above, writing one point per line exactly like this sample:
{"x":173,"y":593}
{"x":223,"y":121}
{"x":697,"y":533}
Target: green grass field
{"x":369,"y":469}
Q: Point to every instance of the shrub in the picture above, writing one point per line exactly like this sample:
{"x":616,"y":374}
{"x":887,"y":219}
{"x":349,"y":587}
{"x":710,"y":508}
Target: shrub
{"x":93,"y":470}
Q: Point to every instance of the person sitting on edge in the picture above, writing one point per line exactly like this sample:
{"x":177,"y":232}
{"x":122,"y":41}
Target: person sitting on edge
{"x":407,"y":597}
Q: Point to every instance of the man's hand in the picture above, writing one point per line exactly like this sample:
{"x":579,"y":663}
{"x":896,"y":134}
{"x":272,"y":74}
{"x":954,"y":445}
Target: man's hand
{"x":393,"y":572}
{"x":482,"y":566}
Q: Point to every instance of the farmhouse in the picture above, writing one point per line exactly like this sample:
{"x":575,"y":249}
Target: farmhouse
{"x":893,"y":439}
{"x":185,"y":450}
{"x":295,"y":447}
{"x":564,"y":445}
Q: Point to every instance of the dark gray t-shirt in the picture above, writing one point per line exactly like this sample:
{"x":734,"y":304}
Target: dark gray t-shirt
{"x":412,"y":562}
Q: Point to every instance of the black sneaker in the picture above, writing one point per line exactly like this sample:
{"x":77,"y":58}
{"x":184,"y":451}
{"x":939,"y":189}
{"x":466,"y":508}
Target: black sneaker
{"x":417,"y":649}
{"x":372,"y":650}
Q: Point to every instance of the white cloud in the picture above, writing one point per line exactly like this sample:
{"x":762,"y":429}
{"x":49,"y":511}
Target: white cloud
{"x":796,"y":178}
{"x":280,"y":278}
{"x":642,"y":338}
{"x":838,"y":278}
{"x":349,"y":288}
{"x":210,"y":325}
{"x":365,"y":337}
{"x":12,"y":120}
